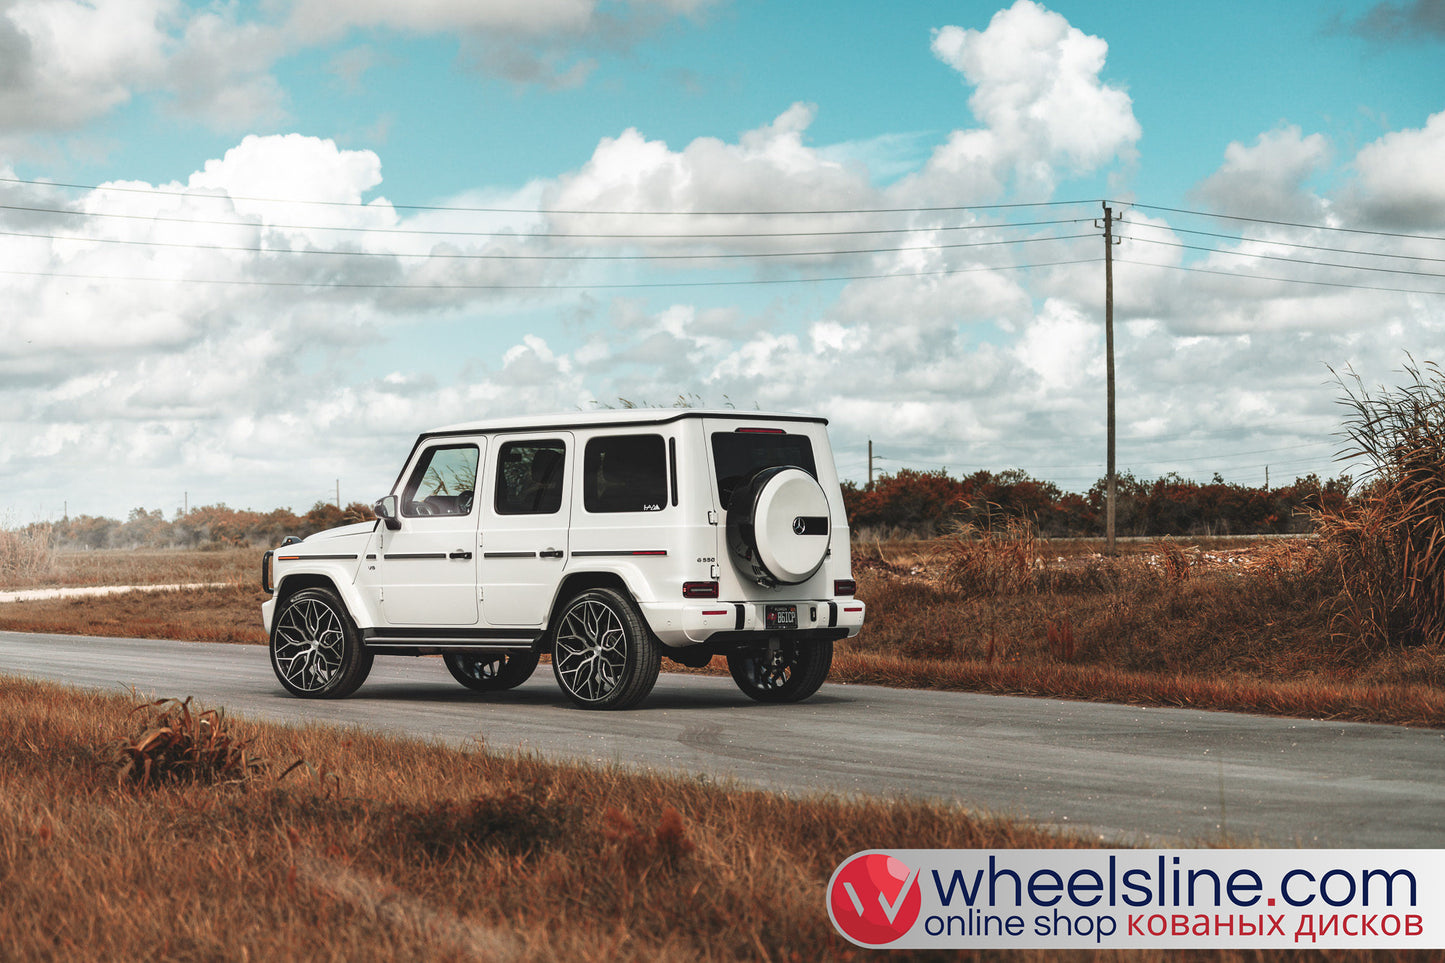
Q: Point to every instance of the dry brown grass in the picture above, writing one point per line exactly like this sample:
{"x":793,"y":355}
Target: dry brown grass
{"x":394,"y":850}
{"x":1228,"y":628}
{"x":225,"y":613}
{"x":380,"y":849}
{"x":142,"y":567}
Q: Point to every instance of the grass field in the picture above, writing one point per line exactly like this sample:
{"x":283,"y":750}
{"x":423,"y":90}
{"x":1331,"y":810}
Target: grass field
{"x":392,"y":850}
{"x":1217,"y":623}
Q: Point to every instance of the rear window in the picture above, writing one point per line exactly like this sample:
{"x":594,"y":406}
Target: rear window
{"x":739,"y":455}
{"x":625,"y":473}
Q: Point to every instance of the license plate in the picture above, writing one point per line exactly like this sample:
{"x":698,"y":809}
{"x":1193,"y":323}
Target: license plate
{"x":781,"y":616}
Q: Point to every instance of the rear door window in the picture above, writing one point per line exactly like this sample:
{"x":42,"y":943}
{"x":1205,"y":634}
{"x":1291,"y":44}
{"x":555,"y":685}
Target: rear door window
{"x":530,"y":475}
{"x":624,"y":473}
{"x":739,"y":455}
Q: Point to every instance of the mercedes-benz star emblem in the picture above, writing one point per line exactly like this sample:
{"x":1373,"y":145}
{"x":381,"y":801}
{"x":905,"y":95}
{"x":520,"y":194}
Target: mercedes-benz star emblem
{"x":799,"y":526}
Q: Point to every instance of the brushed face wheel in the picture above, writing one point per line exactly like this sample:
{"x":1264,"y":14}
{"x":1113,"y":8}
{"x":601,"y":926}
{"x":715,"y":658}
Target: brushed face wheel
{"x":603,"y":656}
{"x":315,"y":650}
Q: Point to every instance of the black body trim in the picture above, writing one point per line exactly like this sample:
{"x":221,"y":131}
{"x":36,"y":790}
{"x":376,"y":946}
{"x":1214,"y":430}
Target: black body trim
{"x":416,"y":557}
{"x":509,"y":555}
{"x":407,"y":636}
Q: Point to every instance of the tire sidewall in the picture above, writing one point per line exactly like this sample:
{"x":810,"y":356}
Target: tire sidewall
{"x":517,"y":668}
{"x":811,"y":663}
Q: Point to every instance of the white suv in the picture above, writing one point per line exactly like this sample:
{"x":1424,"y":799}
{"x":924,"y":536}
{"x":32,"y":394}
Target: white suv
{"x":607,"y":539}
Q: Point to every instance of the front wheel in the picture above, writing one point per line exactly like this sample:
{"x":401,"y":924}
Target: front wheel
{"x":316,"y":651}
{"x":785,"y":672}
{"x":491,"y":672}
{"x":603,"y":656}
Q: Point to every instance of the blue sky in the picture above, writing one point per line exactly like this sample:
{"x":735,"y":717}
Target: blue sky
{"x":124,"y":348}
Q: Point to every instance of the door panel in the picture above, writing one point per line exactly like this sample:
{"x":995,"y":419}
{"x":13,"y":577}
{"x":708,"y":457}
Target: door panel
{"x":429,"y":566}
{"x":524,"y":527}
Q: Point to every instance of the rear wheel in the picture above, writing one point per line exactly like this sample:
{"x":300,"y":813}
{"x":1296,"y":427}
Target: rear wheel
{"x":316,"y":651}
{"x":491,"y":671}
{"x":783,"y":671}
{"x":603,"y":655}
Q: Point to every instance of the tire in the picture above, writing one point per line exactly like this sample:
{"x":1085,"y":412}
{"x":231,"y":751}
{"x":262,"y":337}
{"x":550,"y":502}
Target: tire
{"x":491,"y":672}
{"x":603,"y":655}
{"x":793,"y":673}
{"x":778,"y":526}
{"x":316,"y":651}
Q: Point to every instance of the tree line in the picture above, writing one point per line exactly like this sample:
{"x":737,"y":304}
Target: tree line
{"x":926,"y":503}
{"x":908,"y":502}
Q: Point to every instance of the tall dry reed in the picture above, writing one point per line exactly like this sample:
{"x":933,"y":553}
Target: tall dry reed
{"x":25,"y":555}
{"x":1389,"y":545}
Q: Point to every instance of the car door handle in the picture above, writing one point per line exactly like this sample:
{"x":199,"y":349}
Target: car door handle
{"x":460,"y":553}
{"x":550,"y":553}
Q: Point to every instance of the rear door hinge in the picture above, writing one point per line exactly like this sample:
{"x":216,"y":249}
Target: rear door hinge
{"x":712,"y":518}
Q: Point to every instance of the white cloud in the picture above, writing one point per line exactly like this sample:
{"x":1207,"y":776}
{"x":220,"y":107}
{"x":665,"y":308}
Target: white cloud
{"x":1045,"y":111}
{"x":1270,"y":178}
{"x":63,"y":62}
{"x":1398,"y":177}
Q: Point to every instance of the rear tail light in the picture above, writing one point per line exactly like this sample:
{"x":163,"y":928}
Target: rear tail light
{"x":699,"y":590}
{"x":844,"y":586}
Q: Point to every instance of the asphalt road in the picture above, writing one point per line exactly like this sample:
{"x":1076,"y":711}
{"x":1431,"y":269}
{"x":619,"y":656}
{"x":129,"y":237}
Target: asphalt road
{"x":1129,"y":774}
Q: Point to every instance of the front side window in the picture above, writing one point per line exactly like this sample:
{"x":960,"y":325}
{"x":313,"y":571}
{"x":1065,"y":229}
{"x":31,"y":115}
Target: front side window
{"x":443,"y":482}
{"x":739,"y":455}
{"x":530,"y":476}
{"x":625,"y":473}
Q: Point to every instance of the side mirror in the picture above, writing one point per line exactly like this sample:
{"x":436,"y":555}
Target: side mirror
{"x":386,"y":510}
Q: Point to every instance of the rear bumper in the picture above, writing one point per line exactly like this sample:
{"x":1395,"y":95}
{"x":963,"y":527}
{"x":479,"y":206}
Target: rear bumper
{"x":680,"y":624}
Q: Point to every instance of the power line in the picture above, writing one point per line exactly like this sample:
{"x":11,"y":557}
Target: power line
{"x":360,"y":285}
{"x":1287,"y":260}
{"x":1264,"y":277}
{"x":430,"y":232}
{"x":1261,"y":220}
{"x":432,"y":255}
{"x":517,"y":210}
{"x":1278,"y":243}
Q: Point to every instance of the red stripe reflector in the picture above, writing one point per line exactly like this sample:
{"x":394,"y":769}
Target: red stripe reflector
{"x":717,"y":612}
{"x":854,"y":608}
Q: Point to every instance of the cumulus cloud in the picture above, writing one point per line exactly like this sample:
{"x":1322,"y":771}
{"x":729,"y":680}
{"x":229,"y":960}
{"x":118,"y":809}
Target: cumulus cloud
{"x":1038,"y":93}
{"x":64,"y":62}
{"x":1398,"y":180}
{"x":1270,"y":177}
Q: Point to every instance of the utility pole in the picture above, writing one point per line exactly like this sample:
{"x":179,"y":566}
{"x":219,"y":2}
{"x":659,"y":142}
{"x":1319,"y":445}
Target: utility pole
{"x":338,"y":494}
{"x":870,"y":464}
{"x":1111,"y":483}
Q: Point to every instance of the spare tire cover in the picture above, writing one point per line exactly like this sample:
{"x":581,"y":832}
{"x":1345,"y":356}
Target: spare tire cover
{"x":778,"y":526}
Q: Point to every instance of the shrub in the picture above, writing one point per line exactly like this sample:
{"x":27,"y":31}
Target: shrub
{"x":175,"y":744}
{"x":1388,"y":547}
{"x":26,"y":554}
